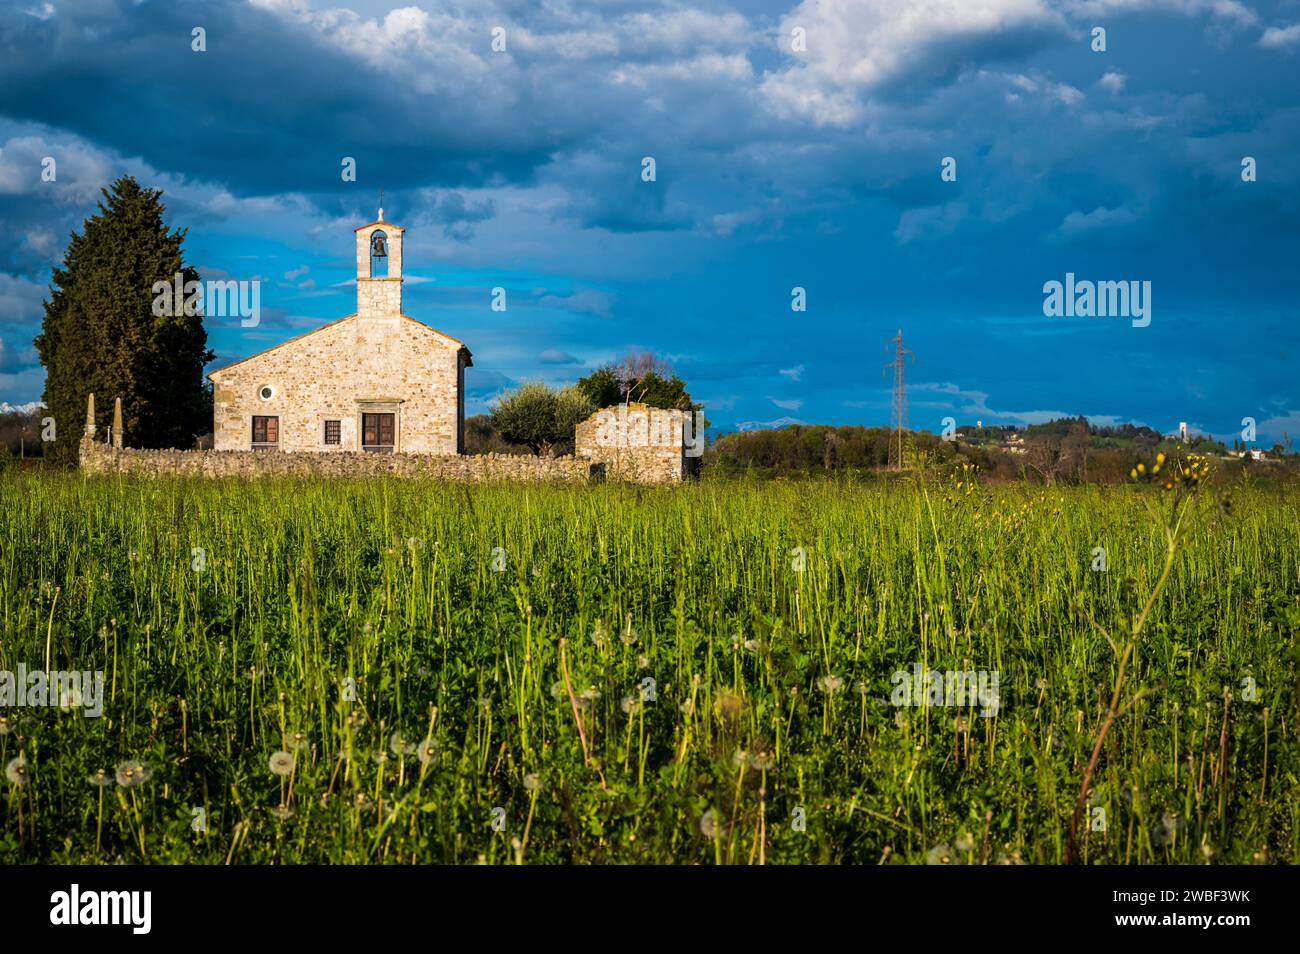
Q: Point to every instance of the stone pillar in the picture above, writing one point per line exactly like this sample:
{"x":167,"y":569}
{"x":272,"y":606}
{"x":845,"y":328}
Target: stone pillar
{"x":117,"y":423}
{"x":90,"y":414}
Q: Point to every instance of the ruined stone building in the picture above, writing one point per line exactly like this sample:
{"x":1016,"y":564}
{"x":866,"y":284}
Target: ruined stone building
{"x":376,"y":381}
{"x":640,"y":443}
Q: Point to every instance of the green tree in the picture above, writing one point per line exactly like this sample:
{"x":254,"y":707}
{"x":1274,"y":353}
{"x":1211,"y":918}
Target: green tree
{"x":100,"y":332}
{"x":638,"y":377}
{"x":541,"y":418}
{"x":602,"y":387}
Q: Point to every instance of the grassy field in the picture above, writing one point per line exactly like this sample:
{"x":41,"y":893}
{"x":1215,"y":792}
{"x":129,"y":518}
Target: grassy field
{"x":376,"y":672}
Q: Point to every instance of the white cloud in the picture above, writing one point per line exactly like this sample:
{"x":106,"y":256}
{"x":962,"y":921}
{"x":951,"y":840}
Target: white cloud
{"x":20,"y":299}
{"x":556,"y":356}
{"x":79,"y":168}
{"x":787,"y":405}
{"x":794,"y":374}
{"x":1228,"y":11}
{"x":1067,"y":94}
{"x":934,"y":221}
{"x":1099,"y":218}
{"x":725,"y":403}
{"x":1113,"y":81}
{"x":585,"y":300}
{"x":853,"y":48}
{"x":1275,"y":427}
{"x":1276,"y":38}
{"x":973,"y":405}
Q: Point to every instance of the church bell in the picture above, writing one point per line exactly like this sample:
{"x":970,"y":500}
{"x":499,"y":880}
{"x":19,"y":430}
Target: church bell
{"x":379,"y":249}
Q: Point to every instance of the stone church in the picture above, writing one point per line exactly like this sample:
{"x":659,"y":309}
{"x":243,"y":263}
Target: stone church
{"x":376,"y":381}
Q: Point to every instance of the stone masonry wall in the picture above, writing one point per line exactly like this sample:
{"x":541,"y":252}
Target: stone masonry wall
{"x":636,"y":442}
{"x":101,"y":458}
{"x":390,"y":365}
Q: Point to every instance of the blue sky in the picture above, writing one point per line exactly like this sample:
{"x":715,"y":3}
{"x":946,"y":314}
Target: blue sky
{"x":776,"y":168}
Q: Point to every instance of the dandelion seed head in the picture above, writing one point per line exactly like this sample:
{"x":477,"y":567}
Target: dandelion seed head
{"x":730,"y":706}
{"x":281,"y":763}
{"x":131,"y":773}
{"x":17,"y":772}
{"x":1165,"y":830}
{"x":939,"y":855}
{"x":709,"y":824}
{"x":427,"y":752}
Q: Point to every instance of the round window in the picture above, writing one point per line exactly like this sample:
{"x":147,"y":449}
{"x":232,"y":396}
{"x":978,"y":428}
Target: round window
{"x":266,"y":393}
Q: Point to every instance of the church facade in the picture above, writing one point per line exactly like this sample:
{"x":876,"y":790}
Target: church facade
{"x":376,"y":381}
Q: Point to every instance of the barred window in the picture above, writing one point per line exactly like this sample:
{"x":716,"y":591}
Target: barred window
{"x":333,"y":432}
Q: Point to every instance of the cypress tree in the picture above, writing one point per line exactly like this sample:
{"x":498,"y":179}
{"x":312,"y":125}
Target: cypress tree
{"x":100,"y":332}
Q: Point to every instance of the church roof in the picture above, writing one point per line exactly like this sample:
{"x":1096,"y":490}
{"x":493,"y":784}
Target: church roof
{"x":387,"y":225}
{"x":456,"y":341}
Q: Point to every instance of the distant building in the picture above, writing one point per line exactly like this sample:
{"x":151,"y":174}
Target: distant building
{"x":1253,"y":453}
{"x":1182,"y":431}
{"x":1014,"y":443}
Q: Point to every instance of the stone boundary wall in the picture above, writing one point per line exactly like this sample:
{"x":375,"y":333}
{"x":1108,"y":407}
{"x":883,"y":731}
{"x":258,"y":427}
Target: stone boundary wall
{"x":100,"y":458}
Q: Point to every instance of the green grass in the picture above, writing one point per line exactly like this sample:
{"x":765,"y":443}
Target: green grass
{"x":391,"y":584}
